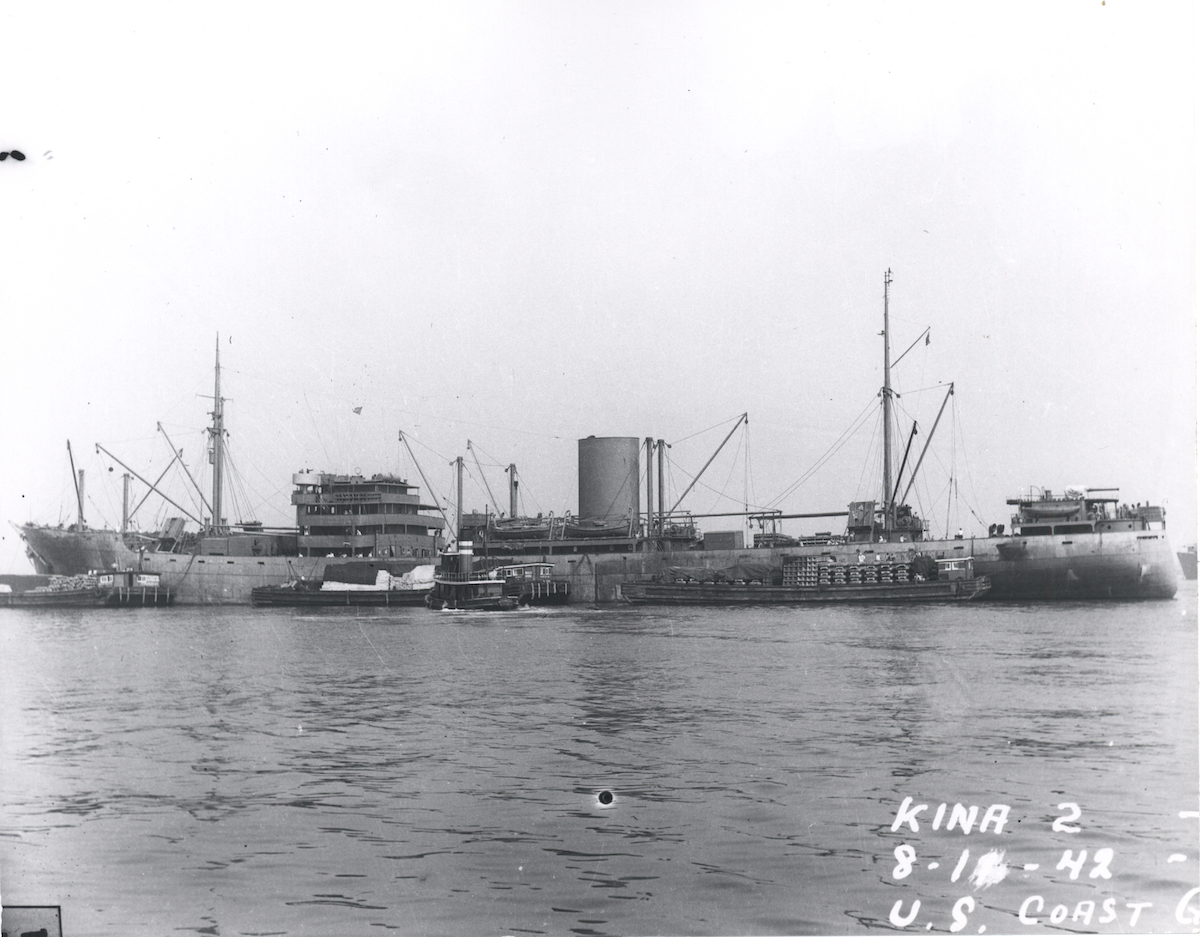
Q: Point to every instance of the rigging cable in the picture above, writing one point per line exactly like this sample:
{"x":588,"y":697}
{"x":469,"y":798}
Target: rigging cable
{"x":316,"y":429}
{"x":437,"y":499}
{"x":732,"y":468}
{"x":710,"y":429}
{"x":967,"y":468}
{"x":837,"y":444}
{"x":671,"y":463}
{"x":870,"y":460}
{"x":747,"y":486}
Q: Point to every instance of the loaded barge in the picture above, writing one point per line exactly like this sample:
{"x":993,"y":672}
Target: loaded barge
{"x":117,"y":589}
{"x":808,"y":580}
{"x":351,"y":585}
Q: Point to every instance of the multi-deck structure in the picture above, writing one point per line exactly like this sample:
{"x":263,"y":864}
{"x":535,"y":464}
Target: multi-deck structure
{"x":349,"y":515}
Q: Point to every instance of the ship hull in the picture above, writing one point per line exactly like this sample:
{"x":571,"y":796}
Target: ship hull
{"x":192,"y":579}
{"x":1115,"y":565}
{"x":1090,"y":566}
{"x":64,"y":552}
{"x":228,"y":580}
{"x":1124,"y":565}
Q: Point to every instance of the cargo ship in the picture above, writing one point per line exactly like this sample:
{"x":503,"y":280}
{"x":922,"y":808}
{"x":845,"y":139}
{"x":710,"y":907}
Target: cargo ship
{"x":339,"y":518}
{"x":1082,"y":543}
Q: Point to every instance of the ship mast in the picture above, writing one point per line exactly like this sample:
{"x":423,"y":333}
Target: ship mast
{"x":218,"y":440}
{"x":889,"y":507}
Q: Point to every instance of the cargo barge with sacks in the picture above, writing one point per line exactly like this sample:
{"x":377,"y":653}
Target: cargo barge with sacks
{"x":114,"y":589}
{"x":809,"y":580}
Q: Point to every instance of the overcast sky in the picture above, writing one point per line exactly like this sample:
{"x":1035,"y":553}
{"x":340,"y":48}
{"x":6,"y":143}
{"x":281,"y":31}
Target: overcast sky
{"x":521,"y":224}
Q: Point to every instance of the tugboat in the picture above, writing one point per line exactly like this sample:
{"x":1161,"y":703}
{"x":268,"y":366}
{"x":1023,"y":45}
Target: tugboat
{"x":457,"y":584}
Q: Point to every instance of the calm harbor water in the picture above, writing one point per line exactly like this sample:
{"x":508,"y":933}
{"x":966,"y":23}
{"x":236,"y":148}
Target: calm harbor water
{"x":240,"y":771}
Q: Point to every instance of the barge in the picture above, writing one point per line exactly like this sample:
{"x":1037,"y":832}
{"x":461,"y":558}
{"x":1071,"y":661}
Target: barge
{"x":116,"y":589}
{"x":342,"y":588}
{"x":808,"y":581}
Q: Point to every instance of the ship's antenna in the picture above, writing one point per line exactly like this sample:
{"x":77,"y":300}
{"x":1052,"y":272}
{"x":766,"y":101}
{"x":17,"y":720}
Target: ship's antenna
{"x":888,"y":504}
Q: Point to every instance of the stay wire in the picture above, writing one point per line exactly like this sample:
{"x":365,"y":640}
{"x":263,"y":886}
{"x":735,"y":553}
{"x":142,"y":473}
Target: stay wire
{"x":834,"y":447}
{"x":703,"y":431}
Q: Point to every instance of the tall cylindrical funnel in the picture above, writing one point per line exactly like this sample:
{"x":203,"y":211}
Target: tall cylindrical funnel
{"x":608,"y":477}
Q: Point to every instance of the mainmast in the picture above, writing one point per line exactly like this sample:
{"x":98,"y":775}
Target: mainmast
{"x":889,"y":507}
{"x":218,"y":441}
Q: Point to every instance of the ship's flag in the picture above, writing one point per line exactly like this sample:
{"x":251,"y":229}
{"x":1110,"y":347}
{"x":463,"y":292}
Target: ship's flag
{"x":358,"y":409}
{"x":927,"y":336}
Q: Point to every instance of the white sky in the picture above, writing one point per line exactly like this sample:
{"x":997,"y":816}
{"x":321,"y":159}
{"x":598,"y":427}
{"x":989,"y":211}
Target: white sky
{"x":521,"y":224}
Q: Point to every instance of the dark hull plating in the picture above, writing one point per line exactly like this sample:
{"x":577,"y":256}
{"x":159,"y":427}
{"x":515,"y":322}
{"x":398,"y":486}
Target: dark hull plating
{"x":736,"y":593}
{"x":64,"y":552}
{"x":1125,"y":565}
{"x":1122,"y":565}
{"x":309,"y":598}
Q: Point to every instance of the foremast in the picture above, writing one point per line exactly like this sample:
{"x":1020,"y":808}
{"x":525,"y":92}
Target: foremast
{"x":889,"y":504}
{"x":217,"y":452}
